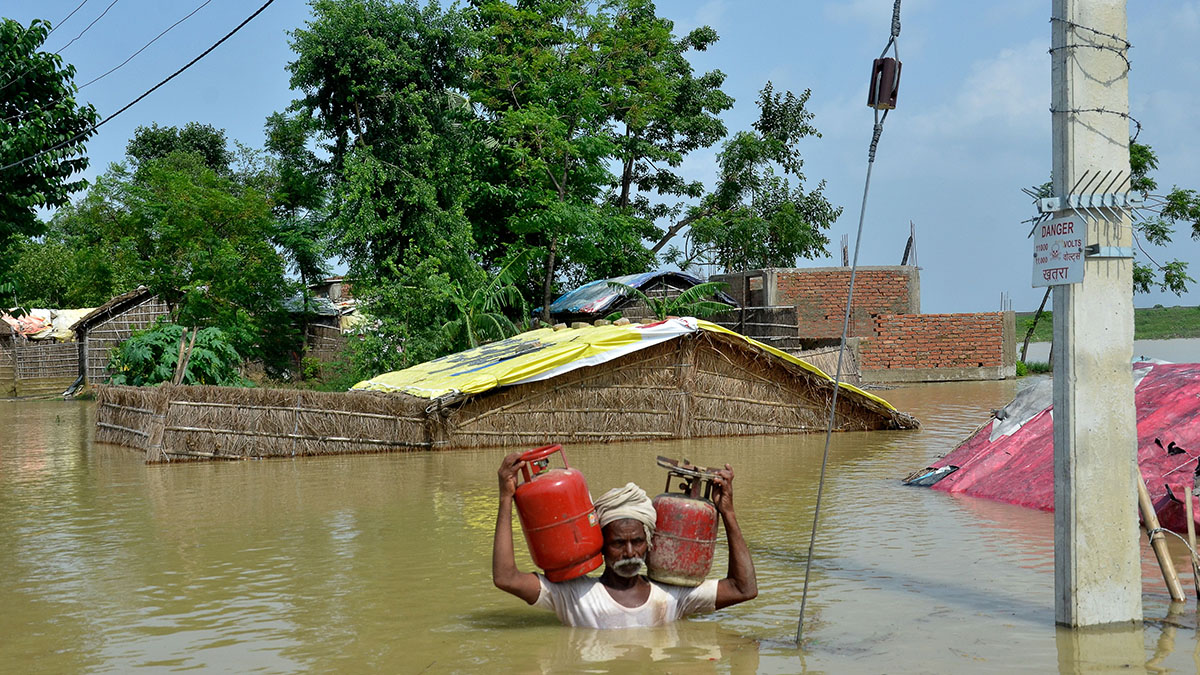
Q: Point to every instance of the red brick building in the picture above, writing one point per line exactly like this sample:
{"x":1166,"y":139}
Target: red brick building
{"x":893,"y":341}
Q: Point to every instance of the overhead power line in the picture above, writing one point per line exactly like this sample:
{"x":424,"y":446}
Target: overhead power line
{"x":68,"y":18}
{"x":51,"y":32}
{"x":89,"y":26}
{"x":168,"y":30}
{"x":149,"y":91}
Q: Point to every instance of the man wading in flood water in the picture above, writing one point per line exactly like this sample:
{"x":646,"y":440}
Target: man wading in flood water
{"x":621,"y":597}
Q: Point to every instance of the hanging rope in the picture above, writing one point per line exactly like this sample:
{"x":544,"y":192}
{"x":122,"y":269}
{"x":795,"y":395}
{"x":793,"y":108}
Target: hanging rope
{"x":837,"y":380}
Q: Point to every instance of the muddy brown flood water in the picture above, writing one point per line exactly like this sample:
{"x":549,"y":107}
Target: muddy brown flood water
{"x":381,"y":563}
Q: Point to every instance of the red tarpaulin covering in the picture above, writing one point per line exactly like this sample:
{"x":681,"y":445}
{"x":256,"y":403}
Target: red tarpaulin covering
{"x":1011,"y":458}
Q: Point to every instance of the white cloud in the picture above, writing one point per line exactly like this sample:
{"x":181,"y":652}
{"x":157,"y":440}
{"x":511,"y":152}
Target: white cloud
{"x":1007,"y":93}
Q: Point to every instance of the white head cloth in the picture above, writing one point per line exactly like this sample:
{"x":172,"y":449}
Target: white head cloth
{"x":627,"y":502}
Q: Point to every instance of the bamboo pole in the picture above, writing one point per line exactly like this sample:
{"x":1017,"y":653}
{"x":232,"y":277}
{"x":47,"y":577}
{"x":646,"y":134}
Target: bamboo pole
{"x":1158,"y":541}
{"x":1191,"y":527}
{"x":179,"y":359}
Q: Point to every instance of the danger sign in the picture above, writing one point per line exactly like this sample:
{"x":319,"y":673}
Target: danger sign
{"x":1058,"y":252}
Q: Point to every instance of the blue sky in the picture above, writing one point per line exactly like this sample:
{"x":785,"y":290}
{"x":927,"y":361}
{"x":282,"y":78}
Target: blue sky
{"x":971,"y":129}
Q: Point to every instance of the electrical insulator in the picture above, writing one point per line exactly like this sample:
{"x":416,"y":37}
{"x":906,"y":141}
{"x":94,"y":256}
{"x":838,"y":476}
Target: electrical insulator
{"x":885,"y":84}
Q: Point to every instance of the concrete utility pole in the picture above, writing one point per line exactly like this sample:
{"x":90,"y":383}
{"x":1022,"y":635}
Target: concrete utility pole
{"x":1097,"y":577}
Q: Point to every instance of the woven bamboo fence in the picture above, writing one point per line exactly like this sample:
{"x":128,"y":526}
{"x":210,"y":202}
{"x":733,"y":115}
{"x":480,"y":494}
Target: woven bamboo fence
{"x":760,"y":323}
{"x":103,"y":336}
{"x":203,"y":422}
{"x":706,"y":384}
{"x":8,"y":372}
{"x":326,"y":343}
{"x":826,"y":359}
{"x":44,"y":368}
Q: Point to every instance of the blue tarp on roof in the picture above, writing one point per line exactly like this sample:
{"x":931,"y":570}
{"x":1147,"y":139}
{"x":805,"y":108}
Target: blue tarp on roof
{"x":597,"y":297}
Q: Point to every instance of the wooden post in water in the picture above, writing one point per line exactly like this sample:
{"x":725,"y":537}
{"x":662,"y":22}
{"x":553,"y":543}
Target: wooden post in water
{"x":1158,"y":541}
{"x":1191,"y":525}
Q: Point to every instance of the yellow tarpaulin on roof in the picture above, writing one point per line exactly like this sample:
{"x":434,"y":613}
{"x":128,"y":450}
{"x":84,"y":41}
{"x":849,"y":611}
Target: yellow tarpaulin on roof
{"x":545,"y":353}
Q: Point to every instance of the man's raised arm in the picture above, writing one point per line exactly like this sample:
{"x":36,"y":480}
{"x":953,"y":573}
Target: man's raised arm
{"x":505,"y":575}
{"x":740,"y":583}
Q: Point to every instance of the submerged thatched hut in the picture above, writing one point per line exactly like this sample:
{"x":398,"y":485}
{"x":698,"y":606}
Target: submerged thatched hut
{"x":680,"y":378}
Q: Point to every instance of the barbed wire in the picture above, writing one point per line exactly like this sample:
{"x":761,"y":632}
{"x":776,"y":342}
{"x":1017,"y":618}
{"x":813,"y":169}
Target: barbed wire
{"x":1118,"y":113}
{"x":1119,"y":51}
{"x":1077,"y":26}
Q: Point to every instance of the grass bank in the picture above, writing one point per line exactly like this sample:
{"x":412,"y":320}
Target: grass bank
{"x":1151,"y":323}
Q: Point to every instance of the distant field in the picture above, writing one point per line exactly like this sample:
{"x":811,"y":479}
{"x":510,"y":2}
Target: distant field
{"x":1151,"y":323}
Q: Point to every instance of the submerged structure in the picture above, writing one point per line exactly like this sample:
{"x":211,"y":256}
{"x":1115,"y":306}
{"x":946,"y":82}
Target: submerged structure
{"x":679,"y":378}
{"x":1011,"y":457}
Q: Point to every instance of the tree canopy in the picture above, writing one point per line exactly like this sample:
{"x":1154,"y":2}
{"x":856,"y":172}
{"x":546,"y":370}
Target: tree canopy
{"x":38,"y":111}
{"x":201,"y":239}
{"x":550,"y":131}
{"x":155,"y":142}
{"x":1165,"y":212}
{"x":464,"y":163}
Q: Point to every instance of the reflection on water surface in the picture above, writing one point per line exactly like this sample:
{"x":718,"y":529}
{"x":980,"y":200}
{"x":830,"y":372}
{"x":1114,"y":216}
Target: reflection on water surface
{"x":382,"y":562}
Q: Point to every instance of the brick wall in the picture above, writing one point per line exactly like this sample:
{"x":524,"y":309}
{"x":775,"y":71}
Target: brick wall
{"x":819,"y":295}
{"x":919,"y":341}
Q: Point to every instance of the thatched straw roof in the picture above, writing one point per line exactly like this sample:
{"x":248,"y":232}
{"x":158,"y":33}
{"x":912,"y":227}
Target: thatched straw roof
{"x":114,"y":306}
{"x":547,"y":353}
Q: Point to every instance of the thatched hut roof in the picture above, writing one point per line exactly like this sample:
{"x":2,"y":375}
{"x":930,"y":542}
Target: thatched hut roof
{"x":114,"y":306}
{"x":547,"y":353}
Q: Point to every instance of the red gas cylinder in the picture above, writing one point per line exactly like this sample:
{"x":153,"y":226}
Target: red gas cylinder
{"x":685,"y":533}
{"x":557,"y":517}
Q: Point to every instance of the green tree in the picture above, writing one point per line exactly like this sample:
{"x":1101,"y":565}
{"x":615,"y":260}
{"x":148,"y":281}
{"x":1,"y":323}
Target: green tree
{"x":38,"y":111}
{"x":82,"y":258}
{"x":204,"y":140}
{"x":457,"y":139}
{"x":759,"y":214}
{"x":151,"y":357}
{"x":695,"y":301}
{"x":300,"y":198}
{"x":535,"y":89}
{"x":479,"y":316}
{"x":199,"y":239}
{"x":1164,"y":214}
{"x":203,"y":243}
{"x":378,"y":83}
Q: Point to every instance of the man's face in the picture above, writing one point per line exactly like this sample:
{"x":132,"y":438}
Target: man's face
{"x":625,"y":546}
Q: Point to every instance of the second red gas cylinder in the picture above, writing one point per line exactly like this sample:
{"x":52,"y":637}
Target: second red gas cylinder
{"x":685,"y":534}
